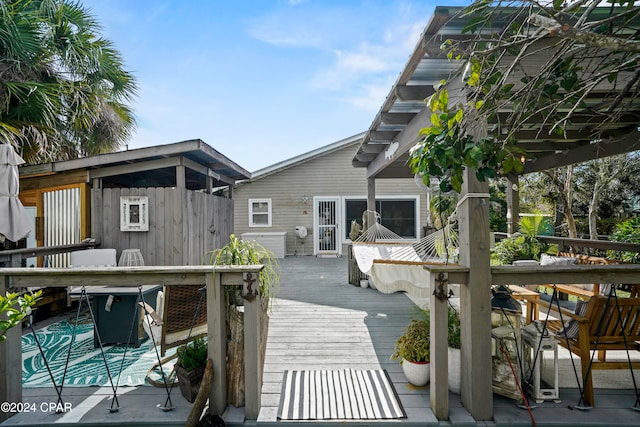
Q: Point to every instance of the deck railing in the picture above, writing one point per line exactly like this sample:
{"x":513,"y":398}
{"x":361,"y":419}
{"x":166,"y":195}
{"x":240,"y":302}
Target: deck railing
{"x":215,"y":278}
{"x":445,"y":275}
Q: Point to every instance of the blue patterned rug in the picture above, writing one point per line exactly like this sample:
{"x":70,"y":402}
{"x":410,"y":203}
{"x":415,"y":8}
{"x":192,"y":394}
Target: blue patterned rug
{"x":86,"y":365}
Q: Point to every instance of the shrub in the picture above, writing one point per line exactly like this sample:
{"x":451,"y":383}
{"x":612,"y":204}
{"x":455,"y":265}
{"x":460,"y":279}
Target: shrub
{"x":627,"y":231}
{"x":193,"y":355}
{"x":414,"y":344}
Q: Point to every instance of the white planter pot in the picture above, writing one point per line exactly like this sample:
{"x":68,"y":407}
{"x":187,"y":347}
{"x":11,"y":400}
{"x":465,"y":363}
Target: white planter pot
{"x":455,"y":370}
{"x":416,"y":373}
{"x":364,"y":283}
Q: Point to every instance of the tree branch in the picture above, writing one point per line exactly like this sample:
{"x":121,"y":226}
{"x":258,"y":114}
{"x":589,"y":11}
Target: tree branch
{"x":556,"y":28}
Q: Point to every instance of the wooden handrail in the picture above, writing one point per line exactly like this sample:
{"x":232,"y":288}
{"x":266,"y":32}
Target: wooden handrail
{"x":584,"y":243}
{"x":15,"y":256}
{"x":214,"y":278}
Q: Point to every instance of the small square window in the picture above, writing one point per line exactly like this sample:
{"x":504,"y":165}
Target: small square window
{"x":259,"y":212}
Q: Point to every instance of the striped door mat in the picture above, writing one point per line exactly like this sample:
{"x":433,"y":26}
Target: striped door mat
{"x":338,"y":395}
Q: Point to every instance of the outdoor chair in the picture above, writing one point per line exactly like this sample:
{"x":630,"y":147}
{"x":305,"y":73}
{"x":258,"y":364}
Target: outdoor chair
{"x":181,"y":316}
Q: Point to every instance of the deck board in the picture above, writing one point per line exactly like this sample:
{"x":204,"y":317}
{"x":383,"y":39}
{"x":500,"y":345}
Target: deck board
{"x":320,"y":321}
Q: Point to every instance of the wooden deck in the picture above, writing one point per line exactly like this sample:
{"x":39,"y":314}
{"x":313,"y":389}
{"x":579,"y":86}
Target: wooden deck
{"x":320,"y":321}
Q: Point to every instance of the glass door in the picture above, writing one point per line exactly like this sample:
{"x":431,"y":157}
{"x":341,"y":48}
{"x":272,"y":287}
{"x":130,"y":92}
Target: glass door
{"x":326,"y":217}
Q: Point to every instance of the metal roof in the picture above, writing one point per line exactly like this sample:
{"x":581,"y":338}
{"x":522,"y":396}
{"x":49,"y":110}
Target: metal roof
{"x":152,"y":166}
{"x":395,"y":128}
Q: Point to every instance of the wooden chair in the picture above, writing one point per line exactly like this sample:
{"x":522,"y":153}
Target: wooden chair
{"x":605,"y":325}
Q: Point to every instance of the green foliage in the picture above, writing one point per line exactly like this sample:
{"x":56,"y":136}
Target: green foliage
{"x":14,"y":308}
{"x":453,"y":322}
{"x":249,"y":252}
{"x":502,"y":88}
{"x":64,"y":91}
{"x":193,"y":355}
{"x":447,"y":147}
{"x":414,"y":344}
{"x":525,"y":244}
{"x":627,"y":231}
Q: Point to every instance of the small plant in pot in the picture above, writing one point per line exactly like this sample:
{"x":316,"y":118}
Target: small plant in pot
{"x":192,"y":359}
{"x":413,"y":351}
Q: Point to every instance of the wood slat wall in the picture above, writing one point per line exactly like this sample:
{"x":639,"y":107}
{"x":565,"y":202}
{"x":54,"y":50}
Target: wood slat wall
{"x":184,"y":225}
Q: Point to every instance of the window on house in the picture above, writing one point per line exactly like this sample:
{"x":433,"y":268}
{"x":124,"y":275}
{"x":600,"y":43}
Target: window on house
{"x":259,"y":212}
{"x":399,"y":215}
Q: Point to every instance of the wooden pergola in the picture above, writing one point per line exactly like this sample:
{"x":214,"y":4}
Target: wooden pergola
{"x":385,"y":152}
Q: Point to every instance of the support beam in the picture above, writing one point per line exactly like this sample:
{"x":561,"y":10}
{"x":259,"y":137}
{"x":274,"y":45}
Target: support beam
{"x":475,"y":298}
{"x":414,"y":92}
{"x":513,"y":204}
{"x":252,"y":355}
{"x":371,"y":201}
{"x":217,"y":342}
{"x":439,"y":362}
{"x":628,"y":143}
{"x":407,"y":139}
{"x":397,"y":118}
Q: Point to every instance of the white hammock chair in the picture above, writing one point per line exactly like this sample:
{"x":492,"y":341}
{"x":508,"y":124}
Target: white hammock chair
{"x":395,"y":264}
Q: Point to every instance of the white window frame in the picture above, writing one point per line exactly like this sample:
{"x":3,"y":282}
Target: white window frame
{"x":415,"y":198}
{"x":251,"y":213}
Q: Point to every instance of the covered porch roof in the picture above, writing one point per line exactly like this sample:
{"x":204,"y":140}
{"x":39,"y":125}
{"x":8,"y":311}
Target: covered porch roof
{"x":395,"y":128}
{"x":149,"y":167}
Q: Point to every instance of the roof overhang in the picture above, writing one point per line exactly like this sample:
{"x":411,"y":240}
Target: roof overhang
{"x":151,"y":166}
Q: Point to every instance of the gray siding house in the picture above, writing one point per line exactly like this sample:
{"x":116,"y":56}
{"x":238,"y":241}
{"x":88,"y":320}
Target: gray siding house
{"x":322,"y":192}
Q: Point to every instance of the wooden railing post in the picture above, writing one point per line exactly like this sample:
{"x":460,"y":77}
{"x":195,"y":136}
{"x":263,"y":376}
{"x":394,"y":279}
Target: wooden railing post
{"x":439,"y":384}
{"x":10,"y":362}
{"x":252,"y":353}
{"x":217,"y":341}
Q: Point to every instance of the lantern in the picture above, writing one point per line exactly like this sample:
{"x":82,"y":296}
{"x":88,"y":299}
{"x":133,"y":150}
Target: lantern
{"x":506,"y":326}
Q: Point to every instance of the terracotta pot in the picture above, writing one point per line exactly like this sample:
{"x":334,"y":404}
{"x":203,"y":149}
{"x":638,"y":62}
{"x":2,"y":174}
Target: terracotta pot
{"x":417,"y":373}
{"x":189,"y":381}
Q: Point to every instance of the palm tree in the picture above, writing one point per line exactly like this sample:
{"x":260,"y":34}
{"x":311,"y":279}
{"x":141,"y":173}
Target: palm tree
{"x":64,"y":92}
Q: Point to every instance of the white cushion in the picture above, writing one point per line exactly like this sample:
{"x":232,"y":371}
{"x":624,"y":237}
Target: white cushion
{"x":557,"y":260}
{"x":94,"y":258}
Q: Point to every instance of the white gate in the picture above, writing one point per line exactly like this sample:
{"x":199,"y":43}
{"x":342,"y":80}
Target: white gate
{"x":326,"y":216}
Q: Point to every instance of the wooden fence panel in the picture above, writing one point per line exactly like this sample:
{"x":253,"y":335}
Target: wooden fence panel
{"x":184,"y":225}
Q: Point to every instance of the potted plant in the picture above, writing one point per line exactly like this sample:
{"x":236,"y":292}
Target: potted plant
{"x":245,"y":252}
{"x":453,"y":351}
{"x":413,"y":351}
{"x":192,"y":360}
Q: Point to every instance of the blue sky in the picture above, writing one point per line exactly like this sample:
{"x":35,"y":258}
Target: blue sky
{"x":260,"y":81}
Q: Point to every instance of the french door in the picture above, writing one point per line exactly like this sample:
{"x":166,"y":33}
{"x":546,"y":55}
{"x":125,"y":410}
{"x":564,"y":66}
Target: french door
{"x":326,"y":218}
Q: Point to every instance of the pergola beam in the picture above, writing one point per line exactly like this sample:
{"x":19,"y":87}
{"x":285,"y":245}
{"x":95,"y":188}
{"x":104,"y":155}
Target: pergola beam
{"x":597,"y":150}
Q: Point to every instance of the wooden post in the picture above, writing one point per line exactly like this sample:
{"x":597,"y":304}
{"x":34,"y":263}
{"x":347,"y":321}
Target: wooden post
{"x":513,"y":204}
{"x":252,"y":353}
{"x":217,"y":342}
{"x":439,"y":384}
{"x":475,"y":298}
{"x":371,"y":201}
{"x":10,"y":362}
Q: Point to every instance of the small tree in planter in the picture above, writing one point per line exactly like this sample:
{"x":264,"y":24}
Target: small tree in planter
{"x":413,"y":350}
{"x":192,"y":360}
{"x":245,"y":252}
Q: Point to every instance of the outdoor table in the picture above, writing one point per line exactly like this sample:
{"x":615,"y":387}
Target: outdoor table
{"x":114,"y":307}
